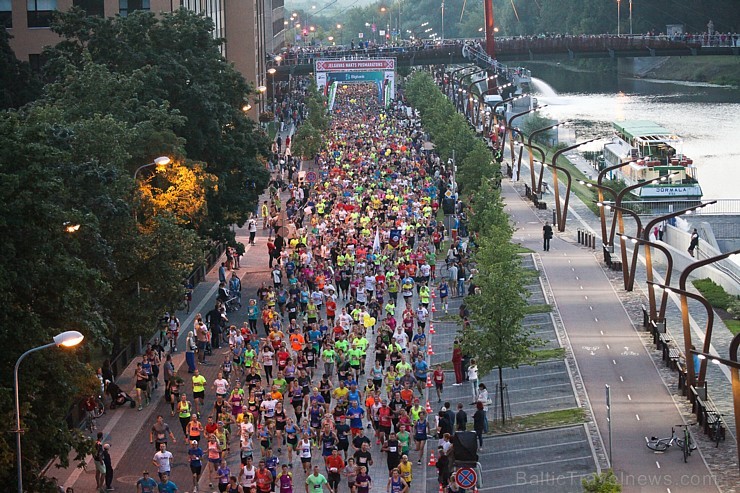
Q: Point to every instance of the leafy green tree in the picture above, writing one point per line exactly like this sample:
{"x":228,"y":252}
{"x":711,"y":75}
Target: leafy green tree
{"x":496,"y":337}
{"x":18,"y":84}
{"x":604,"y":482}
{"x":179,"y":64}
{"x":307,"y":141}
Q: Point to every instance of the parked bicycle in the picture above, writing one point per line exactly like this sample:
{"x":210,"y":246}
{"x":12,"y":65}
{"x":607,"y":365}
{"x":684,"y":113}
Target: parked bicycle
{"x":717,"y":429}
{"x":686,"y":443}
{"x":94,"y":408}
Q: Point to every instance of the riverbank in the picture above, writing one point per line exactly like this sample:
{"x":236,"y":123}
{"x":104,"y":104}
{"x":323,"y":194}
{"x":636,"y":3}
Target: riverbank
{"x":719,"y":70}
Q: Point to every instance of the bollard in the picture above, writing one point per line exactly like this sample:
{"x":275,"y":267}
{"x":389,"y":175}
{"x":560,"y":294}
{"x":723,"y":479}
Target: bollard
{"x":580,"y":236}
{"x":554,"y":219}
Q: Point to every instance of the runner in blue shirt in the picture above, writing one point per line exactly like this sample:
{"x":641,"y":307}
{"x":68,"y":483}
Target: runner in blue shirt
{"x":167,"y":486}
{"x":145,"y":484}
{"x":355,"y":413}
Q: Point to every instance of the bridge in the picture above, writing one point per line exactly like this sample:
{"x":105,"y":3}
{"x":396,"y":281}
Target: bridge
{"x":518,"y":49}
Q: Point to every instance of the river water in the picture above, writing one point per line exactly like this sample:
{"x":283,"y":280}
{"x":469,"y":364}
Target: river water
{"x":706,"y":117}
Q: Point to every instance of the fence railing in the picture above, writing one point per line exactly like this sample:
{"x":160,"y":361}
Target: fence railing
{"x":723,"y":207}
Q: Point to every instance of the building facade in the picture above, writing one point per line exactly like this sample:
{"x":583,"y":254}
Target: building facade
{"x":242,"y":23}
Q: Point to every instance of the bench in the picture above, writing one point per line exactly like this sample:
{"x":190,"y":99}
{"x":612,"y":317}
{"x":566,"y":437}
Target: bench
{"x":664,"y":341}
{"x":658,"y":329}
{"x":673,"y":356}
{"x":682,"y":377}
{"x":645,"y":317}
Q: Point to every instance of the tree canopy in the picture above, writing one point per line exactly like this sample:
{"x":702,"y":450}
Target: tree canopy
{"x":118,"y":93}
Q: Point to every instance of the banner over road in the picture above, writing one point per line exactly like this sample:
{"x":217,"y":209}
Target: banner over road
{"x":361,"y":65}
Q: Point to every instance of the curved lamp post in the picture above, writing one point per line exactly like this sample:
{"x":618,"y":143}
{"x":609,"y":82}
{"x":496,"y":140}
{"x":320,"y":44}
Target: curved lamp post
{"x":599,"y":179}
{"x":601,"y":189}
{"x":685,"y":313}
{"x":511,"y":130}
{"x":542,"y":154}
{"x":504,"y":101}
{"x":734,"y":365}
{"x":628,"y":280}
{"x":561,"y":218}
{"x":69,"y":338}
{"x":660,"y":317}
{"x":651,"y":287}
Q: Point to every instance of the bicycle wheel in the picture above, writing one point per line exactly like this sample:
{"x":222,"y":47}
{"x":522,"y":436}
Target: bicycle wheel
{"x":686,"y":451}
{"x":99,"y":409}
{"x":658,"y":445}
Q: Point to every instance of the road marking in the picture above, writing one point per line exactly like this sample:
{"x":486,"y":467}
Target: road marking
{"x":596,"y":319}
{"x":637,"y":416}
{"x":668,"y":490}
{"x":614,"y":361}
{"x":607,"y":346}
{"x":577,"y":279}
{"x":657,"y":464}
{"x":620,"y":377}
{"x":581,"y":287}
{"x":629,"y":397}
{"x":602,"y":332}
{"x":590,"y":308}
{"x":573,"y":269}
{"x":586,"y":297}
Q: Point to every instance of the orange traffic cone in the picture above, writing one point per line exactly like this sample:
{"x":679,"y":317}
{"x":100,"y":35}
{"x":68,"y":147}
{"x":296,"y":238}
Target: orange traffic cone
{"x":434,"y":308}
{"x":430,"y":351}
{"x":429,"y":411}
{"x":434,"y":294}
{"x":441,"y":488}
{"x":429,"y":381}
{"x":432,"y":460}
{"x":431,"y":329}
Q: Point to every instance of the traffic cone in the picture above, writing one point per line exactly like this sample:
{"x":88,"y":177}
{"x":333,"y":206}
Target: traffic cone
{"x":432,"y":460}
{"x":441,"y":488}
{"x":429,"y":411}
{"x":434,"y":294}
{"x":430,"y":351}
{"x":431,"y":329}
{"x":434,"y":309}
{"x":429,"y":381}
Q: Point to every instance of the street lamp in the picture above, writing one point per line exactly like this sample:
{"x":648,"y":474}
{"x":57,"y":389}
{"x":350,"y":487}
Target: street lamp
{"x":69,"y":338}
{"x":529,"y":149}
{"x":160,"y":161}
{"x":649,"y":259}
{"x":341,"y":34}
{"x":511,"y":130}
{"x":562,"y":217}
{"x":735,"y":373}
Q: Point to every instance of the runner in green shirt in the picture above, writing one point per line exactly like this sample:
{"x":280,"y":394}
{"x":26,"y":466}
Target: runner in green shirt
{"x":315,"y":482}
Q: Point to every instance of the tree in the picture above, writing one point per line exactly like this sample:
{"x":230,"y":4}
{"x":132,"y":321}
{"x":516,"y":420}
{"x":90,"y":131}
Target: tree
{"x":18,"y":84}
{"x":306,"y":141}
{"x":496,"y":337}
{"x":604,"y":482}
{"x":179,"y":64}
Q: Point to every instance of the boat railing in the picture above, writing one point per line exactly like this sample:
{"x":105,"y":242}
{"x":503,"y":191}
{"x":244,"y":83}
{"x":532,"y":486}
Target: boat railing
{"x":722,"y":207}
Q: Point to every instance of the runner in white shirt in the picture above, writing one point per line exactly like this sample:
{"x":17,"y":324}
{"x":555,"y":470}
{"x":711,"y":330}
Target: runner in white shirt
{"x":400,"y":337}
{"x":268,"y":407}
{"x":163,"y":459}
{"x":221,"y":385}
{"x":345,"y":320}
{"x":247,"y":474}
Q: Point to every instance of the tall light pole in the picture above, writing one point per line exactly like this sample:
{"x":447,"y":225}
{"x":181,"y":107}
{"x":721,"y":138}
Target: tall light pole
{"x":339,"y":28}
{"x":511,"y":132}
{"x":160,"y":161}
{"x":529,"y":148}
{"x":272,"y":71}
{"x":630,"y":17}
{"x":562,"y":216}
{"x":69,"y":338}
{"x":619,"y":5}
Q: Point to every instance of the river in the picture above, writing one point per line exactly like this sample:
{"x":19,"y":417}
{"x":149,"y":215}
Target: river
{"x":706,"y":117}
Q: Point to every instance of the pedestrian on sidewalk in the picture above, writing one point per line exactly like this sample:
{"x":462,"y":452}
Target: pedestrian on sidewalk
{"x":190,"y":347}
{"x":457,"y":358}
{"x":694,"y":244}
{"x":252,"y":227}
{"x":546,"y":236}
{"x":99,"y":464}
{"x":108,"y":467}
{"x":473,"y":378}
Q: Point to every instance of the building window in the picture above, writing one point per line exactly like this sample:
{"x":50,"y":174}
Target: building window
{"x":277,"y":4}
{"x":278,"y":27}
{"x":36,"y":62}
{"x":125,"y":7}
{"x":6,"y":13}
{"x":40,"y":12}
{"x":91,"y":7}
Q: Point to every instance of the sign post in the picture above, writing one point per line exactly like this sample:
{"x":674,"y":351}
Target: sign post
{"x":609,"y":419}
{"x":466,"y":478}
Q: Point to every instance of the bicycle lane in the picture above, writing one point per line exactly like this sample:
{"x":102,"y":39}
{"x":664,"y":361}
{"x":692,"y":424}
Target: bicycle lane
{"x":609,"y":351}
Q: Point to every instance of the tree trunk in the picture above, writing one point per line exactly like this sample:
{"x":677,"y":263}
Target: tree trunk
{"x":501,"y":394}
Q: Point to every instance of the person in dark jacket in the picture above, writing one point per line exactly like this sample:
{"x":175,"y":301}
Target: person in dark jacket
{"x":479,"y":423}
{"x":461,"y":418}
{"x":108,"y":467}
{"x":443,"y":468}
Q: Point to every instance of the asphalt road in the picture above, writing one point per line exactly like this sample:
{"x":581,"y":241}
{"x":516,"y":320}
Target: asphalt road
{"x":609,"y":351}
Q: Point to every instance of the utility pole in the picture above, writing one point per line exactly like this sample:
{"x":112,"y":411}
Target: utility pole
{"x":443,"y":20}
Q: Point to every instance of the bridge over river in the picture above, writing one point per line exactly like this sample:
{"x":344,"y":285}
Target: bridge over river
{"x":520,"y":49}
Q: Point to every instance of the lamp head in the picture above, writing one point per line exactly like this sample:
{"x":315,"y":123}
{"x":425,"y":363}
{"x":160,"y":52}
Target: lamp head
{"x":163,"y":161}
{"x":69,"y":338}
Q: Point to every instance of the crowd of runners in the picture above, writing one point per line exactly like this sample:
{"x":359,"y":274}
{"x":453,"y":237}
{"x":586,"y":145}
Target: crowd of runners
{"x":329,"y":372}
